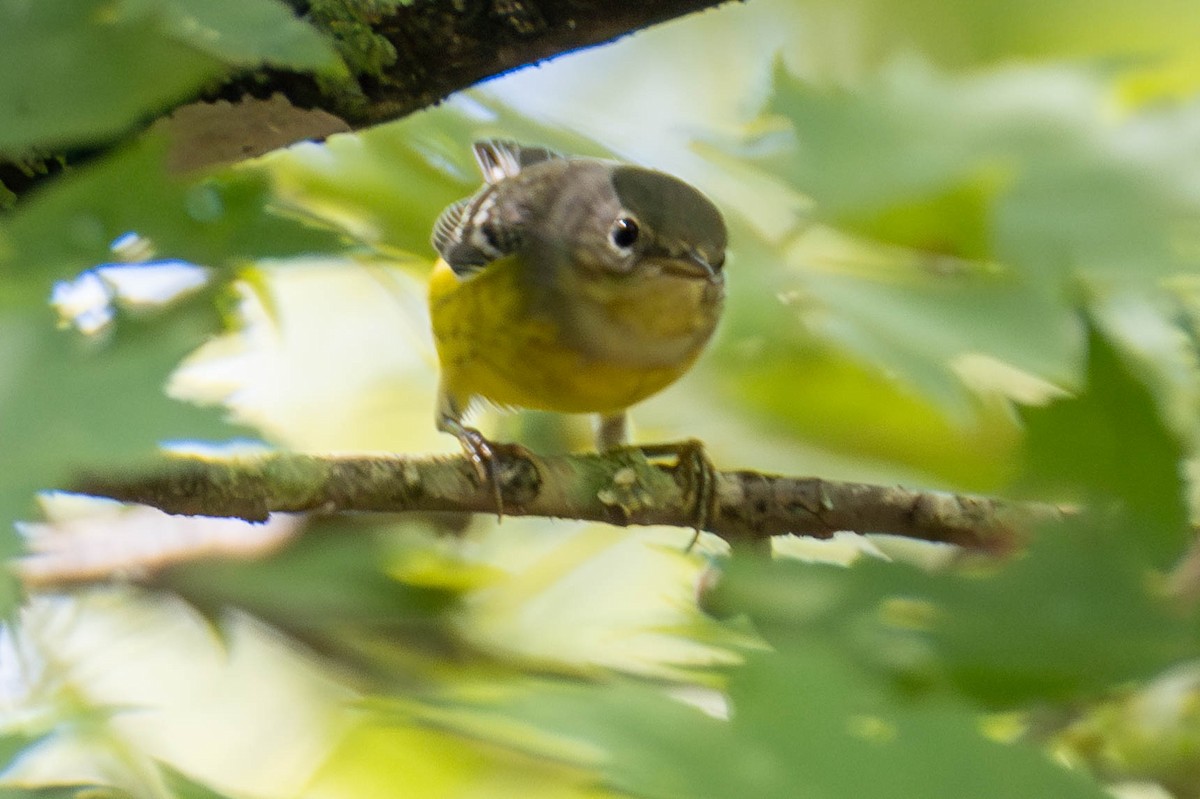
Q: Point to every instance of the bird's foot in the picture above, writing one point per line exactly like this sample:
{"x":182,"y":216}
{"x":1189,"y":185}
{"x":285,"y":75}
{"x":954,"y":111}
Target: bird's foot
{"x":691,"y":461}
{"x":485,"y":457}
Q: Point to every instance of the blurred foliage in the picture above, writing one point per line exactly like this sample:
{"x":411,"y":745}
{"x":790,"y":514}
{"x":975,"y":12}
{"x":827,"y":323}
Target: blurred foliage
{"x":806,"y":721}
{"x":73,"y":409}
{"x":964,"y":253}
{"x":104,"y":67}
{"x":978,"y":632}
{"x":220,"y":222}
{"x":67,"y":792}
{"x":1052,"y":200}
{"x":330,"y":590}
{"x":1088,"y":576}
{"x":1151,"y":733}
{"x":1150,"y":50}
{"x":90,"y":400}
{"x":1109,"y":443}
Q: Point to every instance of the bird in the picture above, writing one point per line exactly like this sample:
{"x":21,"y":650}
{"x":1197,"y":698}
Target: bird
{"x":572,"y":285}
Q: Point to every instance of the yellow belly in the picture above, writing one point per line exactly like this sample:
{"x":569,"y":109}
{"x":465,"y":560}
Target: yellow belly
{"x":492,"y":344}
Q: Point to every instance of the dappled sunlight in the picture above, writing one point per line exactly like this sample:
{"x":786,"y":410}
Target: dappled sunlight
{"x":585,"y":597}
{"x":328,"y":356}
{"x":155,"y":681}
{"x":85,"y":539}
{"x":135,"y":282}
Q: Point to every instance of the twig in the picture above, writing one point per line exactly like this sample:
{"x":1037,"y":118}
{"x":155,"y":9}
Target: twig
{"x":618,"y":488}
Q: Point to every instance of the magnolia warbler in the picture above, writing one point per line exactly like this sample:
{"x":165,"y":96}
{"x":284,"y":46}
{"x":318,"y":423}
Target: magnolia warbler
{"x":573,"y":285}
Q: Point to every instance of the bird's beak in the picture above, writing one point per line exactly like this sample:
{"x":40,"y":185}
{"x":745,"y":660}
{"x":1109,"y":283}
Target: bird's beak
{"x":691,"y":265}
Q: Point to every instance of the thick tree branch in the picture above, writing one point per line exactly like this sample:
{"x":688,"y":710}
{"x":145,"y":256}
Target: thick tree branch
{"x":620,"y":488}
{"x":402,"y":60}
{"x":443,"y":46}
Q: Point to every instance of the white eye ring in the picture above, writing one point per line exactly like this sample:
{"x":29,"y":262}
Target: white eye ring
{"x":624,"y":233}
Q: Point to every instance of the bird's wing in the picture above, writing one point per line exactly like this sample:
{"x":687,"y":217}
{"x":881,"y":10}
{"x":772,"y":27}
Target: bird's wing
{"x":487,"y":226}
{"x":471,"y":234}
{"x":501,"y":158}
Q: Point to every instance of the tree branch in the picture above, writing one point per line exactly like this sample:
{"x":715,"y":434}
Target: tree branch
{"x":623,"y":488}
{"x":443,"y":46}
{"x":402,"y":59}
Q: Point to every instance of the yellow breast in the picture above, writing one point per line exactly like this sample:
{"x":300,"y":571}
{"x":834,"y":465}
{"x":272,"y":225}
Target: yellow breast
{"x":494,"y":342}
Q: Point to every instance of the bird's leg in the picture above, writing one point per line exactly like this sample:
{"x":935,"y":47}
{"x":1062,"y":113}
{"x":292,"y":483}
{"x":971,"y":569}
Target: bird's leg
{"x":480,"y":451}
{"x":477,"y":448}
{"x":692,"y":460}
{"x":612,"y":433}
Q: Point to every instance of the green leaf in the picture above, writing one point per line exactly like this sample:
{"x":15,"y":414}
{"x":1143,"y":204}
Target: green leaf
{"x":66,"y":407}
{"x":66,"y":404}
{"x":958,"y":218}
{"x":952,"y":220}
{"x":245,"y":33}
{"x":1041,"y":182}
{"x":1110,"y":443}
{"x":217,"y":221}
{"x":12,"y":744}
{"x":65,"y":792}
{"x":73,"y":73}
{"x":812,"y":707}
{"x":330,"y":588}
{"x":104,"y":67}
{"x":1073,"y":617}
{"x":802,"y":723}
{"x":1154,"y":38}
{"x":183,"y":787}
{"x":853,"y":351}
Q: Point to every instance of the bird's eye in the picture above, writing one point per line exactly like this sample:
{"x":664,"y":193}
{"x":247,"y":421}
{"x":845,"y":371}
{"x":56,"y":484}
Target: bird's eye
{"x":624,"y":232}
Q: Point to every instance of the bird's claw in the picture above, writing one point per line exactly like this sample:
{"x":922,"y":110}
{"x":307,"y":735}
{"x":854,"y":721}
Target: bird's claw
{"x":691,"y":460}
{"x":479,"y":451}
{"x":484,"y":456}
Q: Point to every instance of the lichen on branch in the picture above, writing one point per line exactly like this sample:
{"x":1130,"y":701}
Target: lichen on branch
{"x":622,"y":488}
